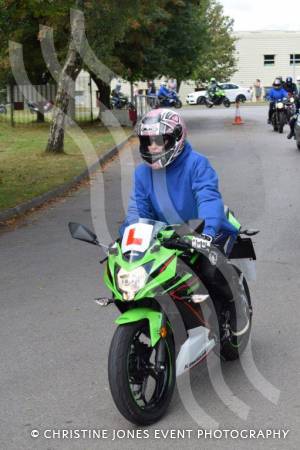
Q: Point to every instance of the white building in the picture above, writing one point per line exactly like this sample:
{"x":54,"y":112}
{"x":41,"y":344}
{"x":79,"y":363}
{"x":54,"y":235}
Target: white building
{"x":266,"y":55}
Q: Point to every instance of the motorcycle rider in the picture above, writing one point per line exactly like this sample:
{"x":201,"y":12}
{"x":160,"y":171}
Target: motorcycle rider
{"x":275,"y":94}
{"x":116,"y":94}
{"x":212,"y":89}
{"x":293,"y":119}
{"x":163,"y":91}
{"x":178,"y":184}
{"x":290,"y":87}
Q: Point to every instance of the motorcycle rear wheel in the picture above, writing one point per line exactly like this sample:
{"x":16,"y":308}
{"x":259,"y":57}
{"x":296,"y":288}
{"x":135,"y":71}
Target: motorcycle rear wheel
{"x":131,"y":365}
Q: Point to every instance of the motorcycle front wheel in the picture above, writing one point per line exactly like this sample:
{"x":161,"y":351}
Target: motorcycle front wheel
{"x":274,"y":122}
{"x":141,"y":393}
{"x":226,"y":102}
{"x":231,"y":347}
{"x":178,"y":104}
{"x":282,"y":122}
{"x":208,"y":103}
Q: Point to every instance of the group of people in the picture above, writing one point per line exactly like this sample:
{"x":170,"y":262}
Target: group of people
{"x":282,"y":90}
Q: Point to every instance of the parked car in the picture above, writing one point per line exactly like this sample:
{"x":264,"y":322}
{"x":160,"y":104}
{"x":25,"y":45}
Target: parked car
{"x":233,"y":92}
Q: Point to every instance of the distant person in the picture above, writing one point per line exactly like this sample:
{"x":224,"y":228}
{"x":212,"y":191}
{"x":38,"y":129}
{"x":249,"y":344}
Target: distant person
{"x":151,"y":93}
{"x":135,"y":89}
{"x":275,"y":94}
{"x":298,"y":84}
{"x":257,"y":89}
{"x":172,"y":84}
{"x":290,"y":87}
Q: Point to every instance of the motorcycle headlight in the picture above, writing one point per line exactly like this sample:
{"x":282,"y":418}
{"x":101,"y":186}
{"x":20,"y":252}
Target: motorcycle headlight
{"x":292,"y":100}
{"x":131,"y":282}
{"x":280,"y":105}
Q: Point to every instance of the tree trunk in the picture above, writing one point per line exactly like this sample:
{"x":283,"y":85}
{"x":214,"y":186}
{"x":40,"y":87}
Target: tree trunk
{"x":104,"y":91}
{"x":66,"y":86}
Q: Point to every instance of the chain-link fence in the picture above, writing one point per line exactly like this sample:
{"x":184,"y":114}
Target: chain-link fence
{"x":30,"y":104}
{"x":35,"y":104}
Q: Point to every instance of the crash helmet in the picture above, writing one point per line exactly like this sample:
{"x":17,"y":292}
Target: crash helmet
{"x":289,"y":80}
{"x":277,"y":84}
{"x":213,"y":80}
{"x":166,"y":129}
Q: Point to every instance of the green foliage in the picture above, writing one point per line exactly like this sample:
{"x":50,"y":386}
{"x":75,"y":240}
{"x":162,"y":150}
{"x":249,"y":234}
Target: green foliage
{"x":217,"y":58}
{"x":137,"y":39}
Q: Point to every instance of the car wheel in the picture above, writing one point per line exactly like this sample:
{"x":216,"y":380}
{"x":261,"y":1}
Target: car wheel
{"x":240,"y":98}
{"x":200,"y":100}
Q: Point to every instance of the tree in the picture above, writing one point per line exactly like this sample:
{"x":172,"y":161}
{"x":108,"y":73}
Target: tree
{"x":164,"y":39}
{"x":66,"y":84}
{"x":217,"y":59}
{"x":29,"y":15}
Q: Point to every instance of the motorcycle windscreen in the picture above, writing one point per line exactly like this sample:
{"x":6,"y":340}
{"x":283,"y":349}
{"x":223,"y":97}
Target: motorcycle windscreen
{"x":138,"y":237}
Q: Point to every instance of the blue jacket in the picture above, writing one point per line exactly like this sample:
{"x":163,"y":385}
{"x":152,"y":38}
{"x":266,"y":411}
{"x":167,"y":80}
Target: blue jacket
{"x":163,"y":92}
{"x":277,"y":94}
{"x":186,"y":189}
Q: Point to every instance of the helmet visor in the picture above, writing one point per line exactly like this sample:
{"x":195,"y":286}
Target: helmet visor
{"x":162,"y":140}
{"x":166,"y":141}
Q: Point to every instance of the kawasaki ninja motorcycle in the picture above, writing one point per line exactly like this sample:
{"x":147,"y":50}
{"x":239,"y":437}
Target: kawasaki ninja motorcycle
{"x":168,"y":322}
{"x":218,"y":98}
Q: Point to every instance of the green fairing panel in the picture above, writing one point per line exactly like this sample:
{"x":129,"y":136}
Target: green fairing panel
{"x":134,"y":315}
{"x":234,"y":222}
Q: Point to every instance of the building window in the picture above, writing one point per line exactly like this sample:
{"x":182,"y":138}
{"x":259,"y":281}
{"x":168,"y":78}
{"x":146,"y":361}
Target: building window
{"x":269,"y":60}
{"x":294,"y":59}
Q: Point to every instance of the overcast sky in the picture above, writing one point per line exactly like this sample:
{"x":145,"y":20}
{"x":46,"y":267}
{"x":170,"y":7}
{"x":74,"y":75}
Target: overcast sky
{"x":263,"y":14}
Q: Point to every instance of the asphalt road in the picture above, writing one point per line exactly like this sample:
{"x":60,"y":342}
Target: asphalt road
{"x":55,"y":340}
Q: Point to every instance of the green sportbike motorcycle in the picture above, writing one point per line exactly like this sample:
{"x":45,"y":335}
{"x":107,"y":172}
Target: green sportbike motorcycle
{"x":216,"y":98}
{"x":169,"y":322}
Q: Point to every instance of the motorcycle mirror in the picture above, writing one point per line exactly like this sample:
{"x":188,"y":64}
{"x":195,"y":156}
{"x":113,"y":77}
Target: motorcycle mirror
{"x":82,"y":233}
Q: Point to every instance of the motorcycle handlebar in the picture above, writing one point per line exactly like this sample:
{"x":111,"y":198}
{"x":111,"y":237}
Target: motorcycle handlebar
{"x":176,"y":244}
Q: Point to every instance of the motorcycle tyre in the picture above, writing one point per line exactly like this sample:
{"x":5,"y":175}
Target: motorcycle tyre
{"x":282,"y":122}
{"x":229,"y":351}
{"x":118,"y":376}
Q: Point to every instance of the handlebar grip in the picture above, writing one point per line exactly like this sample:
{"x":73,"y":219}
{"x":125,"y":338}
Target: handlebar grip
{"x":175,"y":244}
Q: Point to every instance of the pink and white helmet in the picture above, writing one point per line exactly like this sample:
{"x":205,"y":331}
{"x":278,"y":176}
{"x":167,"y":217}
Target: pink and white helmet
{"x":167,"y":129}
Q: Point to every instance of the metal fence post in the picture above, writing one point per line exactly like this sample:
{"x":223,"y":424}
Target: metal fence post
{"x":12,"y":103}
{"x":91,"y":98}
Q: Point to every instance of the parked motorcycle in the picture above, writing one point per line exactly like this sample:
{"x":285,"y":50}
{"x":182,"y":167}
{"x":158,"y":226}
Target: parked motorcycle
{"x":42,"y":107}
{"x":218,"y":98}
{"x":119,"y":101}
{"x":172,"y":101}
{"x":154,"y":278}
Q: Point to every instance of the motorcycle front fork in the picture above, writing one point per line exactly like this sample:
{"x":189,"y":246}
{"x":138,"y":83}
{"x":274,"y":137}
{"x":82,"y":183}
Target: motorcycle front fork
{"x":160,"y":357}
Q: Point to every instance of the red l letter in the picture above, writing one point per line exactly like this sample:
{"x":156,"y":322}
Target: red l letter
{"x":133,"y":240}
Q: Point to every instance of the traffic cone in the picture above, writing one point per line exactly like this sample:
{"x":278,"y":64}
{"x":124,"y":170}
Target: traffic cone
{"x":237,"y":120}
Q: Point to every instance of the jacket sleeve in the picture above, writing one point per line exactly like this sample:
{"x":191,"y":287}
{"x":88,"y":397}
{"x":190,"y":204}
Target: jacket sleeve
{"x":139,"y":205}
{"x":209,"y":201}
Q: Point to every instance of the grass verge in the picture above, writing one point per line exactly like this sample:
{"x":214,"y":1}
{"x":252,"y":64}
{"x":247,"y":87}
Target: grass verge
{"x":26,"y":171}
